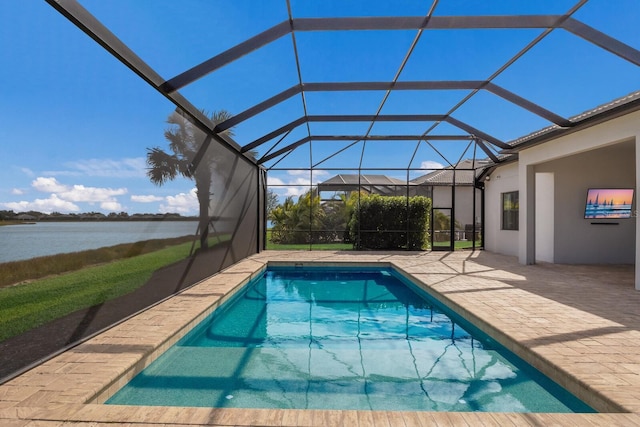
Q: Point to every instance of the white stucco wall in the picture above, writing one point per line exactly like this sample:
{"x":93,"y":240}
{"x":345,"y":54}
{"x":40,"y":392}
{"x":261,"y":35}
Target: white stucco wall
{"x":502,"y":180}
{"x":587,"y":241}
{"x":545,"y":216}
{"x":604,"y":155}
{"x":464,"y":213}
{"x":573,"y":156}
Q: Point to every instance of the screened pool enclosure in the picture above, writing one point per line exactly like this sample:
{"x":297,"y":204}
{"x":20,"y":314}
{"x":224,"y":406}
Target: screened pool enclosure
{"x":265,"y":125}
{"x":354,"y":90}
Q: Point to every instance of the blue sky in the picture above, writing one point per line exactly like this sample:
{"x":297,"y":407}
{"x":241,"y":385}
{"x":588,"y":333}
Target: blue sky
{"x":76,"y":123}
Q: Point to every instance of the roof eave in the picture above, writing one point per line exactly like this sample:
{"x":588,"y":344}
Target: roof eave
{"x":592,"y":120}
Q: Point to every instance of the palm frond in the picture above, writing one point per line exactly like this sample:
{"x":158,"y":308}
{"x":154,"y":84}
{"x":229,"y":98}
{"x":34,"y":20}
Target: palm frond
{"x":253,"y":154}
{"x":164,"y":167}
{"x":185,"y":140}
{"x":218,"y":117}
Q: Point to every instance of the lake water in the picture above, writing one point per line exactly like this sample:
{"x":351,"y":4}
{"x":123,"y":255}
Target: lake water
{"x":18,"y":242}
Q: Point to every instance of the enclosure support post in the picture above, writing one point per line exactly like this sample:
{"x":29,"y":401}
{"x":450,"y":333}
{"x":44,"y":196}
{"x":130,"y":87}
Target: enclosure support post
{"x":452,"y":225}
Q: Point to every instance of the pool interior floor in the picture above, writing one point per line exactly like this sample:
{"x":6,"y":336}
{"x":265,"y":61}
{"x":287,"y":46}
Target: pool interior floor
{"x":578,"y":324}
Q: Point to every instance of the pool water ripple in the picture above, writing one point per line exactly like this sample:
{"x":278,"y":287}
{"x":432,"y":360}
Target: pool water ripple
{"x":342,"y":339}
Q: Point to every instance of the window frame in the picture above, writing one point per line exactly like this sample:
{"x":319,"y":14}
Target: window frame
{"x":510,"y":214}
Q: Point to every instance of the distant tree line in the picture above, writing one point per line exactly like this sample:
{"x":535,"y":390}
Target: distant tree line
{"x":10,"y":215}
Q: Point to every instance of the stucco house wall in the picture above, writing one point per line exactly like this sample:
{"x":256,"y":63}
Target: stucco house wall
{"x":602,"y":155}
{"x":464,"y":213}
{"x":588,"y":241}
{"x":504,"y":179}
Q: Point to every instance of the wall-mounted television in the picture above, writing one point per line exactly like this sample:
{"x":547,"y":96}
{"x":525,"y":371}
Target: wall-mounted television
{"x":604,"y":203}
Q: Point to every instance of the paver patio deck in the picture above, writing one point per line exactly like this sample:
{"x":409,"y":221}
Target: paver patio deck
{"x":580,"y":325}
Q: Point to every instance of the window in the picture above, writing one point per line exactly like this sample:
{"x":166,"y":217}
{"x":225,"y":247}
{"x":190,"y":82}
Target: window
{"x":510,"y":210}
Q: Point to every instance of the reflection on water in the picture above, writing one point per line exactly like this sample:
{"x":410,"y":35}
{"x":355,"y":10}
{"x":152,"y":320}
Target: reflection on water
{"x":607,"y":211}
{"x":18,"y":242}
{"x":311,"y":339}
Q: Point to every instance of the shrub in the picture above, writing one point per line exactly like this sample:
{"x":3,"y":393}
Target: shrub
{"x":397,"y":222}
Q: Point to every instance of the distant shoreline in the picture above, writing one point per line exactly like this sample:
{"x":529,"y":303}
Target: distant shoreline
{"x":15,"y":222}
{"x":136,"y":219}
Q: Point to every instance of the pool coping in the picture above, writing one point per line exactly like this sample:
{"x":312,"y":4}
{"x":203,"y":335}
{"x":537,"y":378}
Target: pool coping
{"x":569,"y":382}
{"x":72,"y":386}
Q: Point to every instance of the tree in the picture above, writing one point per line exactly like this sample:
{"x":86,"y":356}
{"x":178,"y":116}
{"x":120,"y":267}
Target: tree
{"x":337,"y":213}
{"x":4,"y":214}
{"x":296,"y":222}
{"x":185,"y":140}
{"x":272,"y":202}
{"x":280,"y":217}
{"x":442,"y":222}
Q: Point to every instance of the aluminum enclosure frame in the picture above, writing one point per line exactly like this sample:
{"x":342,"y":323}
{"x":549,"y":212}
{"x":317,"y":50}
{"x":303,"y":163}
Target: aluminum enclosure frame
{"x":488,"y":144}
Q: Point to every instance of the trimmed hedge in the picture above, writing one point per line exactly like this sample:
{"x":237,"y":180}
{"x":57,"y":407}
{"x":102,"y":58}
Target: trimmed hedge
{"x":389,"y":223}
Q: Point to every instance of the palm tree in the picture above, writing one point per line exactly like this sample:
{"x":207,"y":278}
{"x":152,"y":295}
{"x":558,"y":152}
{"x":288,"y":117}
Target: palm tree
{"x":293,"y":222}
{"x":184,"y":142}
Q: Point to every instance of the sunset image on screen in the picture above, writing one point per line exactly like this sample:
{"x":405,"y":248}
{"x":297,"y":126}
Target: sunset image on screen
{"x":609,"y":203}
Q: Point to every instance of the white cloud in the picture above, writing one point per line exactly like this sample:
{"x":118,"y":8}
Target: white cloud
{"x":272,"y":180}
{"x":300,"y":181}
{"x":77,"y":193}
{"x":183,"y":203}
{"x":290,"y":190}
{"x":132,"y":167}
{"x":27,"y":171}
{"x":430,"y":164}
{"x":111,"y":206}
{"x":295,"y":191}
{"x":295,"y":182}
{"x":80,"y":193}
{"x":306,"y":173}
{"x":64,"y":198}
{"x":17,"y":192}
{"x":48,"y":185}
{"x":146,"y":199}
{"x":51,"y":204}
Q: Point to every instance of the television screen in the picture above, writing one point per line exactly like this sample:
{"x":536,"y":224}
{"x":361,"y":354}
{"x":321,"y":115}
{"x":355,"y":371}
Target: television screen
{"x":608,"y":203}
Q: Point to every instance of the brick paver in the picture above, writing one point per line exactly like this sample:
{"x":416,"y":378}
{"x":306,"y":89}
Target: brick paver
{"x":578,"y":324}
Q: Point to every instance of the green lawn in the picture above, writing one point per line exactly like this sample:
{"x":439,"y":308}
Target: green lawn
{"x":460,"y":244}
{"x":38,"y":301}
{"x":28,"y":305}
{"x":306,"y":246}
{"x":15,"y":272}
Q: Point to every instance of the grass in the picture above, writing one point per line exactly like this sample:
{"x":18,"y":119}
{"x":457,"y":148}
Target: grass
{"x":54,"y":286}
{"x":305,"y":246}
{"x":18,"y":271}
{"x":460,"y":244}
{"x":29,"y":305}
{"x":13,"y":222}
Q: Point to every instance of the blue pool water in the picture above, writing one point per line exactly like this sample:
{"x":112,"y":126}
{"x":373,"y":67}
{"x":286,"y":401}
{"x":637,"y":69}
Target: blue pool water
{"x":318,"y":338}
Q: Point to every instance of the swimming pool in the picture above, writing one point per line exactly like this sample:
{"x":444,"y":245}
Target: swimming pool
{"x":341,"y":338}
